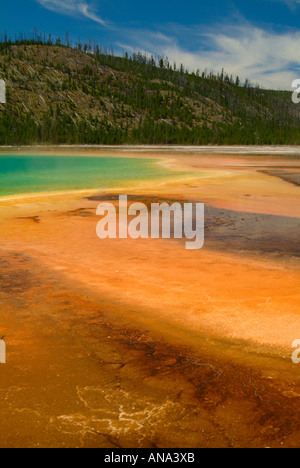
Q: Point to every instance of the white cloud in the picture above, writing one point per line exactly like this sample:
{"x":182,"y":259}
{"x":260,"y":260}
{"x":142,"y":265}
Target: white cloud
{"x":72,"y":8}
{"x":266,"y":58}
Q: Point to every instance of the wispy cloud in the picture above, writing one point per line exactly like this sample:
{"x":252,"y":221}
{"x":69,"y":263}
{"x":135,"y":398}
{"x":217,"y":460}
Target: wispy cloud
{"x":291,"y":3}
{"x":265,"y":57}
{"x":74,"y":8}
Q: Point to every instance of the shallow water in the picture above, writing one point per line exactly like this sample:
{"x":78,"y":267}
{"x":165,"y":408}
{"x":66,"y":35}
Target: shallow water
{"x":142,"y":344}
{"x":33,"y":174}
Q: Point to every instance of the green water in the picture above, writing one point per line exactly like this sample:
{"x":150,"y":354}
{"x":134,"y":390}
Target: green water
{"x":32,"y":174}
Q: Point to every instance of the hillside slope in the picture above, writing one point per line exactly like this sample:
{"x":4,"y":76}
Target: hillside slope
{"x":58,"y":94}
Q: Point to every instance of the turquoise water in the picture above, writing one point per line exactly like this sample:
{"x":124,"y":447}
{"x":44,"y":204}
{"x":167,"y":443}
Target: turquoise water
{"x":31,"y":174}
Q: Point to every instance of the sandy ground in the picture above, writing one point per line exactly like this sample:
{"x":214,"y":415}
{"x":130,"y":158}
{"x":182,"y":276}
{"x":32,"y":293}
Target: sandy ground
{"x":123,"y":343}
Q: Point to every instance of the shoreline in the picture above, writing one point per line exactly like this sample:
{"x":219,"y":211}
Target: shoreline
{"x":184,"y":170}
{"x":169,"y":149}
{"x":161,"y":161}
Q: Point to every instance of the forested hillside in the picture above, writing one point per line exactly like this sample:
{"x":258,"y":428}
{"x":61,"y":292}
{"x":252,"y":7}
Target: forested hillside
{"x":58,"y":94}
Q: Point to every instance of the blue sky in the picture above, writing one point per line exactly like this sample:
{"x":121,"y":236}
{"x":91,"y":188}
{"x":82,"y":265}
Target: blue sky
{"x":258,"y":39}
